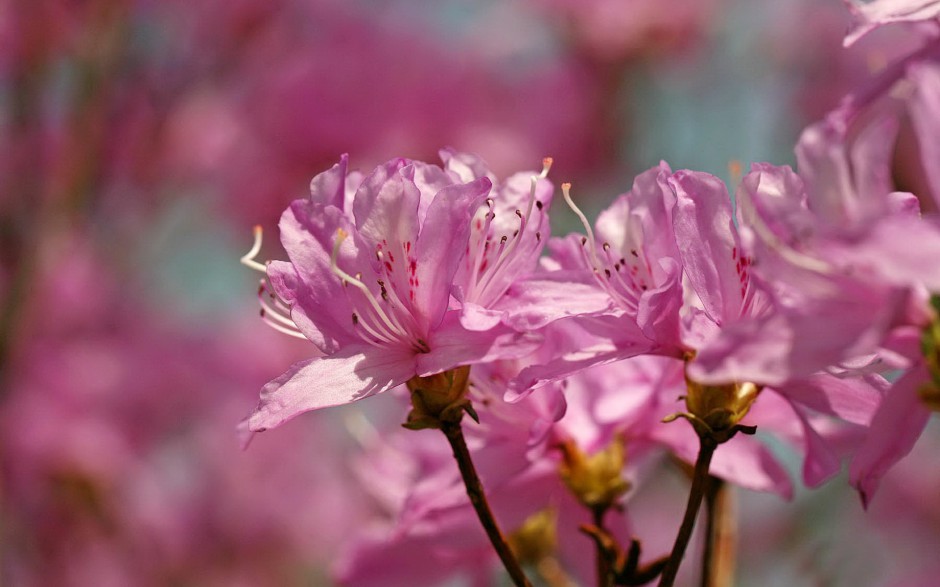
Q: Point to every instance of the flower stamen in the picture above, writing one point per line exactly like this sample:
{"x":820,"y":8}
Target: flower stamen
{"x":384,"y":327}
{"x":566,"y":192}
{"x":249,"y":258}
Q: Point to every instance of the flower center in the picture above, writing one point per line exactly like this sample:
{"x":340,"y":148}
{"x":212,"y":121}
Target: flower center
{"x":491,"y":254}
{"x":379,"y":324}
{"x":625,"y":276}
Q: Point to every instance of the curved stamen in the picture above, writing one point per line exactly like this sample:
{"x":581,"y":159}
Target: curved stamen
{"x":249,"y":258}
{"x":505,"y":252}
{"x":482,"y":245}
{"x":392,"y":328}
{"x":565,"y":190}
{"x":272,"y":312}
{"x":282,"y":329}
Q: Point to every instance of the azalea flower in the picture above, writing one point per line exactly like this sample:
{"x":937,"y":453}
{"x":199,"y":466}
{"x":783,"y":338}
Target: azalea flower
{"x":667,"y":274}
{"x":849,"y":296}
{"x":374,"y":262}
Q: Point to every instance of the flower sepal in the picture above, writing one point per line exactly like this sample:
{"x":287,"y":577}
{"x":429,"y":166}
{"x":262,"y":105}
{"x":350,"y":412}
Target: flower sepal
{"x":439,"y":399}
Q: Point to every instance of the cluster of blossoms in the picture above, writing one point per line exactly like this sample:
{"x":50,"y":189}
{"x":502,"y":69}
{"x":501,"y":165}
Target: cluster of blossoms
{"x":806,"y":309}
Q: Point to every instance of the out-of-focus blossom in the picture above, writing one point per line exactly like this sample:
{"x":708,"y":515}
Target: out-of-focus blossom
{"x":119,"y":455}
{"x":615,"y":31}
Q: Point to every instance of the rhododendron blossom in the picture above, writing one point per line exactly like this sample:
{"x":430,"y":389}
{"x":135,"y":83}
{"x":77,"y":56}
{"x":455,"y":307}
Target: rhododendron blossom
{"x":373,"y":266}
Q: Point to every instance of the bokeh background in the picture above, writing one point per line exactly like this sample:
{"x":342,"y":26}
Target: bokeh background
{"x":140,"y":140}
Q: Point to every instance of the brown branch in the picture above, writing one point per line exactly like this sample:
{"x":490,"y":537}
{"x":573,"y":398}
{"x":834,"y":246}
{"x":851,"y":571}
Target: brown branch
{"x":605,"y":577}
{"x":454,"y":434}
{"x":696,"y":494}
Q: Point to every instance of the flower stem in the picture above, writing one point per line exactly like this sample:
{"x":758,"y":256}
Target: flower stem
{"x":604,"y":575}
{"x":718,"y":559}
{"x":696,"y":494}
{"x":471,"y":480}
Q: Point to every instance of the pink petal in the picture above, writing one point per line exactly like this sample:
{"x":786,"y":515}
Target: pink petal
{"x":658,"y":311}
{"x":546,"y":297}
{"x":329,"y":187}
{"x":452,"y":345}
{"x":707,"y":243}
{"x":925,"y":113}
{"x":353,"y":373}
{"x":894,"y":430}
{"x":386,"y":205}
{"x":442,"y":245}
{"x":854,"y":400}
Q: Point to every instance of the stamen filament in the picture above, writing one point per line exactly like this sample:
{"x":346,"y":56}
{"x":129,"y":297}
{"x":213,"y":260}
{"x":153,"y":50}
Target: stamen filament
{"x":275,"y":313}
{"x":505,"y":254}
{"x":282,"y":329}
{"x":481,"y":251}
{"x":249,"y":258}
{"x":565,"y":190}
{"x":394,"y":330}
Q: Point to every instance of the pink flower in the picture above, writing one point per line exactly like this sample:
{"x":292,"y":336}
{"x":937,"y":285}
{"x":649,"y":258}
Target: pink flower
{"x":373,"y":263}
{"x":665,"y":272}
{"x":849,"y":294}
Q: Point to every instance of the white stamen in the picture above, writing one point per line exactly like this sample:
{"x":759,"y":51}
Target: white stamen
{"x":274,"y":313}
{"x":565,"y":190}
{"x":249,"y":258}
{"x":505,"y":252}
{"x":394,"y":330}
{"x":282,"y":329}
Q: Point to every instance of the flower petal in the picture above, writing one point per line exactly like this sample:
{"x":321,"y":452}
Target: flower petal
{"x":894,"y":430}
{"x":353,"y":373}
{"x":708,"y":243}
{"x":329,"y":187}
{"x":442,"y":244}
{"x":452,"y":345}
{"x":854,"y":400}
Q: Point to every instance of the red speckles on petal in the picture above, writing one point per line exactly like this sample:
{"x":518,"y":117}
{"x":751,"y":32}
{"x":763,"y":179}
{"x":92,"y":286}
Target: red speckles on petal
{"x":389,"y":267}
{"x":413,"y":265}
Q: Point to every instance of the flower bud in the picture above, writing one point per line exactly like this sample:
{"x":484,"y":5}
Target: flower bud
{"x":537,"y":538}
{"x":722,"y":406}
{"x":439,"y":398}
{"x":596,"y":480}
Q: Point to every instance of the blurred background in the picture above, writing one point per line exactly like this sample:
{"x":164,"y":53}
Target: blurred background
{"x":140,"y":140}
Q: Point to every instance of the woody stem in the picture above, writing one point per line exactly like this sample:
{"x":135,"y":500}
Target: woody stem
{"x":696,"y":494}
{"x":471,"y":480}
{"x":604,"y":575}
